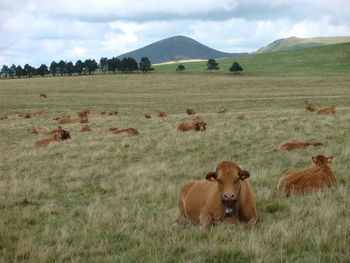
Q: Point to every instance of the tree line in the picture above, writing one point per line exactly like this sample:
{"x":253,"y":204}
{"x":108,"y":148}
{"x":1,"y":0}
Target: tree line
{"x":87,"y":67}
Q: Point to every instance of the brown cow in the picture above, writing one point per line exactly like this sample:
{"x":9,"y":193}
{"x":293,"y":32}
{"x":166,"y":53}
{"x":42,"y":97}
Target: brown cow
{"x":161,"y":114}
{"x":58,"y":135}
{"x":83,"y":113}
{"x":65,"y":119}
{"x":147,"y":116}
{"x":310,"y":107}
{"x":241,"y":117}
{"x":37,"y":112}
{"x":113,"y":129}
{"x":130,"y":131}
{"x":327,"y":110}
{"x":195,"y":124}
{"x":43,"y":95}
{"x":25,"y":116}
{"x":59,"y":118}
{"x":225,"y":196}
{"x":79,"y":120}
{"x":295,"y":145}
{"x":85,"y":128}
{"x":112,"y":112}
{"x":4,"y":117}
{"x":307,"y":180}
{"x":190,"y":112}
{"x":38,"y":130}
{"x":222,"y":111}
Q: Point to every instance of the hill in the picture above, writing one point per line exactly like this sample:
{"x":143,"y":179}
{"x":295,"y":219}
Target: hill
{"x":177,"y":48}
{"x":322,"y":60}
{"x":292,"y":43}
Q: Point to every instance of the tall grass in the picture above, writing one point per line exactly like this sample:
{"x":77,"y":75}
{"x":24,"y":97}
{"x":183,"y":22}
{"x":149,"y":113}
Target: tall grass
{"x":102,"y":197}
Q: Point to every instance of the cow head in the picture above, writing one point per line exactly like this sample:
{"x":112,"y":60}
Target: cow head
{"x":322,"y":159}
{"x":228,"y":176}
{"x":199,"y":125}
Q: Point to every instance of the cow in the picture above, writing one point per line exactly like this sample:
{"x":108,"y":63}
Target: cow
{"x":64,"y":119}
{"x":241,"y":117}
{"x":327,"y":110}
{"x":310,"y":107}
{"x":58,"y":135}
{"x":25,"y":116}
{"x":161,"y":114}
{"x":190,"y":112}
{"x":130,"y":131}
{"x":222,"y":111}
{"x":79,"y":120}
{"x":113,"y":112}
{"x":113,"y":129}
{"x":291,"y":145}
{"x":37,"y":112}
{"x":195,"y":124}
{"x":224,"y":196}
{"x":309,"y":179}
{"x":85,"y":128}
{"x":4,"y":117}
{"x":147,"y":116}
{"x":59,"y":118}
{"x":43,"y":95}
{"x":83,"y":113}
{"x":34,"y":130}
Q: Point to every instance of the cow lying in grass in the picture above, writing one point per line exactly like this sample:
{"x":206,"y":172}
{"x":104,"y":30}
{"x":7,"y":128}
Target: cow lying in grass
{"x":58,"y":135}
{"x":161,"y":114}
{"x":4,"y":117}
{"x":224,"y":196}
{"x":83,"y":113}
{"x":195,"y":124}
{"x":309,"y":106}
{"x":147,"y":116}
{"x":287,"y":146}
{"x":85,"y":128}
{"x":112,"y":112}
{"x":68,"y":119}
{"x":190,"y":112}
{"x":241,"y":117}
{"x":328,"y":110}
{"x":43,"y":95}
{"x":307,"y":180}
{"x":222,"y":111}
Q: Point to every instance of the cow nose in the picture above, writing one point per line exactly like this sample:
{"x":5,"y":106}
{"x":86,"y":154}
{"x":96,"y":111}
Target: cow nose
{"x":229,"y":196}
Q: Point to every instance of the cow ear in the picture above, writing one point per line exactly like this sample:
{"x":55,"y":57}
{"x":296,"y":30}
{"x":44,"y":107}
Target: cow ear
{"x":329,"y":159}
{"x":211,"y":176}
{"x":243,"y":174}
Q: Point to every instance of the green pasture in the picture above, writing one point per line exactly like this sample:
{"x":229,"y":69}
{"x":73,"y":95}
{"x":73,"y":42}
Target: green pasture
{"x":101,"y":197}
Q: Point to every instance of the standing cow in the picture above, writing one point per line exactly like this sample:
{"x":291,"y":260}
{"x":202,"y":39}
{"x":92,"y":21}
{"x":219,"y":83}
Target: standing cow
{"x":224,"y":196}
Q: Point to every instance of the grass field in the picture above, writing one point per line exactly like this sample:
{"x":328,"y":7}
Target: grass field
{"x":102,"y":197}
{"x":316,"y":61}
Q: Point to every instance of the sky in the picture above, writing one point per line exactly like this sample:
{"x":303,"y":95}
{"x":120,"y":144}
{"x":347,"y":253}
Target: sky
{"x":39,"y":32}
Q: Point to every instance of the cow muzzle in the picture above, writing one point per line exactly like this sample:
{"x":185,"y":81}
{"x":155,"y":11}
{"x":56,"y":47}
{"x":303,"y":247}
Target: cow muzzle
{"x":229,"y":199}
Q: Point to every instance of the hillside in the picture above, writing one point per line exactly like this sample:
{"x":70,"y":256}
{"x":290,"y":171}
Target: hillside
{"x":292,"y":43}
{"x":177,"y":48}
{"x":322,"y":60}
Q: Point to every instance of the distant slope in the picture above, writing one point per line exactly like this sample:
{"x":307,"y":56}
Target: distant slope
{"x":177,"y":48}
{"x":316,"y":61}
{"x":298,"y":43}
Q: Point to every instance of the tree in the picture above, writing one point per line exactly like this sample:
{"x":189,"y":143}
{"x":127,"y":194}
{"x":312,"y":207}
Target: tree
{"x":145,"y":65}
{"x":212,"y":64}
{"x":5,"y":71}
{"x":29,"y":70}
{"x":79,"y":67}
{"x":42,"y":70}
{"x":19,"y":71}
{"x":128,"y":65}
{"x":61,"y":67}
{"x":90,"y":65}
{"x":103,"y":64}
{"x":12,"y":71}
{"x":180,"y":68}
{"x":69,"y":68}
{"x":236,"y":68}
{"x":53,"y":68}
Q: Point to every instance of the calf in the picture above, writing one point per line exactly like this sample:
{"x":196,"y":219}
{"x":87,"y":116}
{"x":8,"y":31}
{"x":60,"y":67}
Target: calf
{"x":310,"y":107}
{"x":295,"y":145}
{"x":58,"y":135}
{"x":85,"y":128}
{"x":195,"y":124}
{"x":327,"y":110}
{"x":113,"y":112}
{"x":43,"y":95}
{"x":307,"y":180}
{"x":190,"y":112}
{"x":161,"y":114}
{"x":130,"y":131}
{"x":83,"y":113}
{"x":222,"y":111}
{"x":147,"y":116}
{"x":224,"y":196}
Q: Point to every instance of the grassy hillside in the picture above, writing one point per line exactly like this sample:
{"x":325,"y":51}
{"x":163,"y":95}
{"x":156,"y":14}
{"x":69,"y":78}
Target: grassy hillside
{"x":320,"y":61}
{"x":101,"y":197}
{"x":297,"y":43}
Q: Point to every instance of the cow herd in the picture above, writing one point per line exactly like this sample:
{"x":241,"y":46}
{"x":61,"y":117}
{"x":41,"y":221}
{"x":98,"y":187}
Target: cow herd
{"x":224,"y":195}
